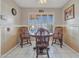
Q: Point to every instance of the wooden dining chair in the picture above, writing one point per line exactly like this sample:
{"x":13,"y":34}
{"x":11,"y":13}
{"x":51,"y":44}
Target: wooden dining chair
{"x":42,"y":42}
{"x":24,"y":36}
{"x":58,"y":35}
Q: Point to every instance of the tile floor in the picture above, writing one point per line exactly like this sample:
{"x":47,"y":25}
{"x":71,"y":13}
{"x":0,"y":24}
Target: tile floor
{"x":54,"y":52}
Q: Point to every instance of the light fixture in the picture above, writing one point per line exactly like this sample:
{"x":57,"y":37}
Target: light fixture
{"x":43,"y":1}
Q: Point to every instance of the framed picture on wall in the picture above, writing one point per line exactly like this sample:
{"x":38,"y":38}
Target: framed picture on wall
{"x":69,"y":13}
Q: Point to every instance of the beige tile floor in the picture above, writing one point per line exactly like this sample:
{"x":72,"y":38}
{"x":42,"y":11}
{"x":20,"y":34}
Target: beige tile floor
{"x":54,"y":52}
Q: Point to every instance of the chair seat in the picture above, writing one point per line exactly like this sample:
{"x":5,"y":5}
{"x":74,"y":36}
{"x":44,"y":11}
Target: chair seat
{"x":44,"y":45}
{"x":55,"y":36}
{"x":25,"y":37}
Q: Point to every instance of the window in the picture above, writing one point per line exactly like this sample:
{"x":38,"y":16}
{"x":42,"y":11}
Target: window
{"x":45,"y":21}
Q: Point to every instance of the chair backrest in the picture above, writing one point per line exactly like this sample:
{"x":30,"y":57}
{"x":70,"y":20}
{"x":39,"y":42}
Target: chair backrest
{"x":24,"y":32}
{"x":58,"y":32}
{"x":41,"y":38}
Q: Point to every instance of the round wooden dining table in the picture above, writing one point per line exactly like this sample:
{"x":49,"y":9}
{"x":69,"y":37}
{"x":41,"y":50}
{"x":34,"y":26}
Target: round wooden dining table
{"x":46,"y":35}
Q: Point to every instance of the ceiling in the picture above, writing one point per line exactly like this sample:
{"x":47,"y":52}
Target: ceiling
{"x":36,"y":4}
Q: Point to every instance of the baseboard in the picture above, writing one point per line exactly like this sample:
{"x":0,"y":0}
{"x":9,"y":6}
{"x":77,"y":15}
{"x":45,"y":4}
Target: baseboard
{"x":71,"y":48}
{"x":9,"y":51}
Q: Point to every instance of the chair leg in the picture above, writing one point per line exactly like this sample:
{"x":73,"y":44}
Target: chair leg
{"x":61,"y":42}
{"x":55,"y":41}
{"x":21,"y":43}
{"x":36,"y":52}
{"x":47,"y":52}
{"x":27,"y":41}
{"x":30,"y":41}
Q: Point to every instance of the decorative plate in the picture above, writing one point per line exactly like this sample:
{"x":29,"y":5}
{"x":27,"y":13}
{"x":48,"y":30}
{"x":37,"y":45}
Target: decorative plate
{"x":14,"y":12}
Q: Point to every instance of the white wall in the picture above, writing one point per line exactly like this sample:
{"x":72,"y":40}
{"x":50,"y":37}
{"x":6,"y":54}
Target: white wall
{"x":0,"y":41}
{"x":8,"y":39}
{"x":57,"y":13}
{"x":75,"y":21}
{"x":72,"y":26}
{"x":0,"y":30}
{"x":6,"y":7}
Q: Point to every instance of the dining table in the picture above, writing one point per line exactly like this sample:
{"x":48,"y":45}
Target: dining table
{"x":35,"y":36}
